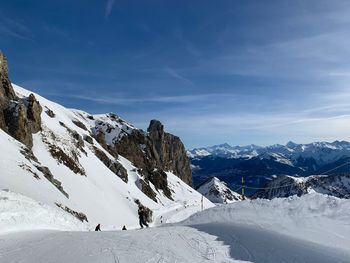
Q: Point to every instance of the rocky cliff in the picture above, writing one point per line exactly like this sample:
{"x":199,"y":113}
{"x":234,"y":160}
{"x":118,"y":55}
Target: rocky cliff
{"x":154,"y":152}
{"x":19,"y":117}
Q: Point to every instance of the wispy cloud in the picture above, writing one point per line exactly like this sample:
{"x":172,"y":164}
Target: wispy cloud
{"x":172,"y":72}
{"x":118,"y":99}
{"x":14,"y":28}
{"x":109,"y":8}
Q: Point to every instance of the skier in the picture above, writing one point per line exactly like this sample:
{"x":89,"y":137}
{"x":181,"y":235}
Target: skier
{"x":124,"y":228}
{"x":98,"y":227}
{"x":142,"y":220}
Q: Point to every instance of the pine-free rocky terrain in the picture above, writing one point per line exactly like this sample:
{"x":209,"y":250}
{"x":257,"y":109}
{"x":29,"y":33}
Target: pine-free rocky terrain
{"x":63,"y":171}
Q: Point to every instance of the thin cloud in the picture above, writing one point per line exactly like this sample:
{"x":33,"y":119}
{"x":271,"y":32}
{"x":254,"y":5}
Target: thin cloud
{"x":109,"y":8}
{"x":172,"y":72}
{"x":14,"y":29}
{"x":120,"y":100}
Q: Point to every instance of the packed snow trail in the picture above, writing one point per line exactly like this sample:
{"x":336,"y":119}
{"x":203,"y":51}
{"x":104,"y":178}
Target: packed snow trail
{"x":165,"y":244}
{"x":312,"y":228}
{"x":235,"y":243}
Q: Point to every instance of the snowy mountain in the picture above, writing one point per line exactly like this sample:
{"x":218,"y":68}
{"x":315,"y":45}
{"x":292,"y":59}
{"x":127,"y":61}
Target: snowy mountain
{"x":260,"y":164}
{"x":322,"y":152}
{"x":218,"y":192}
{"x":284,"y":186}
{"x":65,"y":169}
{"x":98,"y":168}
{"x":224,"y":150}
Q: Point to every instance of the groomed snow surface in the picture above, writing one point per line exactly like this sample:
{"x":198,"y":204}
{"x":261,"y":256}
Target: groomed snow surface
{"x":311,"y":228}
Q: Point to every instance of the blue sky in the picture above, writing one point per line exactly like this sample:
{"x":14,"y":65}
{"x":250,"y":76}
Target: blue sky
{"x":241,"y":72}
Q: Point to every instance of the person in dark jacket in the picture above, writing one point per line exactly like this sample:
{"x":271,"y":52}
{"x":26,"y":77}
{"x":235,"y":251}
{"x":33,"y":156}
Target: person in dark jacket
{"x":142,"y":220}
{"x":124,"y":228}
{"x":98,"y":227}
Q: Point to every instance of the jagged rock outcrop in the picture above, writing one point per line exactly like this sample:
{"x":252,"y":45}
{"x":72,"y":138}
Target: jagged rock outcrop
{"x":18,"y":117}
{"x":153,"y":153}
{"x":114,"y":166}
{"x":169,"y":152}
{"x":6,"y":89}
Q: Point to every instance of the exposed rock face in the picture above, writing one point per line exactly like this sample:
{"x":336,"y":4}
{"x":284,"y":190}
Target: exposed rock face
{"x":18,"y":117}
{"x":34,"y":110}
{"x":114,"y":166}
{"x":153,"y":153}
{"x":169,"y":152}
{"x":6,"y":89}
{"x":48,"y":175}
{"x":81,"y":216}
{"x":63,"y":158}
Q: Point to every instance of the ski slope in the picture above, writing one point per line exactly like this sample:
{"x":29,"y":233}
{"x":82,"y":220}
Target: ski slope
{"x":312,"y":228}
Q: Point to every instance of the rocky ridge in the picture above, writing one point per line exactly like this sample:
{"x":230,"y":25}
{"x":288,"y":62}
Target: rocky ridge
{"x":337,"y":185}
{"x":19,"y":117}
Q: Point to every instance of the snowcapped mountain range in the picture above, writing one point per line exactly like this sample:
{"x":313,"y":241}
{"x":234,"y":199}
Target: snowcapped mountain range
{"x":284,"y":186}
{"x":321,"y":152}
{"x":259,"y":165}
{"x":218,"y":192}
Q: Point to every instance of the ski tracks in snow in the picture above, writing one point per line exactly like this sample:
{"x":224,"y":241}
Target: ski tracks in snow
{"x":157,"y":245}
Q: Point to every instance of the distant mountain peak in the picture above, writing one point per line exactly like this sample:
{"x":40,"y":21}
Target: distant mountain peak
{"x":218,"y":192}
{"x":291,"y":144}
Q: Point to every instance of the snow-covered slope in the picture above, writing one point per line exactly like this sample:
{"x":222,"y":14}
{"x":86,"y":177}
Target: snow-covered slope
{"x":314,"y":217}
{"x":64,"y":170}
{"x":309,"y":229}
{"x":20,"y":213}
{"x":218,"y":192}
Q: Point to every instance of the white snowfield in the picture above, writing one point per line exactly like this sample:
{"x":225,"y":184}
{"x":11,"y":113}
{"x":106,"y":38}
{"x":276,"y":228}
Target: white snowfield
{"x":20,"y":213}
{"x":312,"y":228}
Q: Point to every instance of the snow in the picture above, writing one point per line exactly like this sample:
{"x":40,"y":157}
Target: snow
{"x":312,"y":228}
{"x":314,"y":217}
{"x":171,"y":244}
{"x":20,"y":213}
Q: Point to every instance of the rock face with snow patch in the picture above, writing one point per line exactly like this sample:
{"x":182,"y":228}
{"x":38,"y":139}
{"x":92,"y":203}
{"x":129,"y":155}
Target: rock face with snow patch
{"x":284,"y":186}
{"x":218,"y":192}
{"x":169,"y":152}
{"x":155,"y":152}
{"x":18,"y":117}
